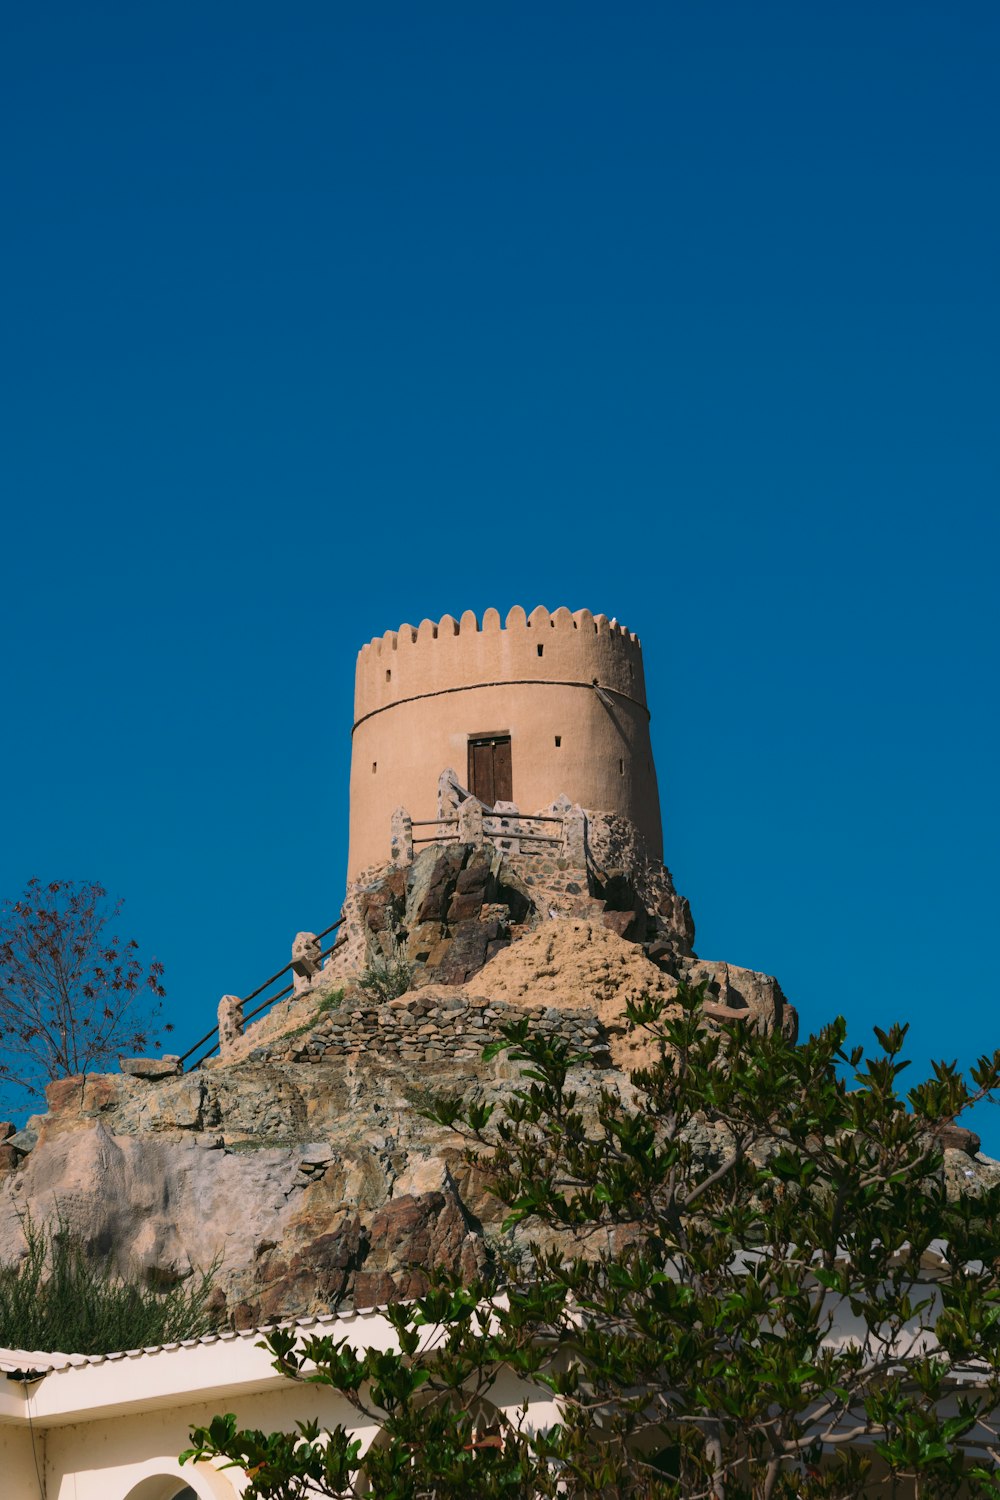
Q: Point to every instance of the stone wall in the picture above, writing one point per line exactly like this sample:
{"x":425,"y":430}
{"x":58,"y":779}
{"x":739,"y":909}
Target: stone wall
{"x":425,"y":1027}
{"x":432,"y":1036}
{"x":458,"y":904}
{"x":585,"y":861}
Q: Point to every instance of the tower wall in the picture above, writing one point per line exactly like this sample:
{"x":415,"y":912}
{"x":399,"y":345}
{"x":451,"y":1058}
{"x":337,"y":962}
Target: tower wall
{"x":421,"y":694}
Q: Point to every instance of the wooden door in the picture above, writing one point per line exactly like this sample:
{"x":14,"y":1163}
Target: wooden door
{"x":489,"y":769}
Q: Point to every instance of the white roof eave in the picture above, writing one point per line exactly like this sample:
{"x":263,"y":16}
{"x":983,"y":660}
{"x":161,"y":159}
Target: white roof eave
{"x":70,"y":1388}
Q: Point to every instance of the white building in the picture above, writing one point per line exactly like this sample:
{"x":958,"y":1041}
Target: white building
{"x":110,"y":1427}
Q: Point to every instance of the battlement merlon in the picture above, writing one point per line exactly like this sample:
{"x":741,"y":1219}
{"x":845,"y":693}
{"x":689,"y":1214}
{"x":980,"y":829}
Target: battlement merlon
{"x":449,"y":654}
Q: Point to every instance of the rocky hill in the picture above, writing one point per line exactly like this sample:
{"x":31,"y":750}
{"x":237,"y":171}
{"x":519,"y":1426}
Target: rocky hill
{"x":299,"y":1164}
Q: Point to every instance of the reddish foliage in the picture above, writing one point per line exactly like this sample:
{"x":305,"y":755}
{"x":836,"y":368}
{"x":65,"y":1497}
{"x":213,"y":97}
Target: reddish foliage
{"x":72,"y":995}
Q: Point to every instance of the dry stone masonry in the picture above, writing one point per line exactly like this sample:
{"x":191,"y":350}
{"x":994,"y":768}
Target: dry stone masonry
{"x":430,"y":1027}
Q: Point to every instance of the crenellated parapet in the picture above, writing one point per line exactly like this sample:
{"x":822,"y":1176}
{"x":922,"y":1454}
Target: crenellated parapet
{"x":440,"y":656}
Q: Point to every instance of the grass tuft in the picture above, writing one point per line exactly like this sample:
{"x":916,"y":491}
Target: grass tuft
{"x":388,"y":974}
{"x":57,"y":1298}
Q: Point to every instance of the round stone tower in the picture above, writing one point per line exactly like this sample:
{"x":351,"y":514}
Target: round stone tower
{"x":544,"y":705}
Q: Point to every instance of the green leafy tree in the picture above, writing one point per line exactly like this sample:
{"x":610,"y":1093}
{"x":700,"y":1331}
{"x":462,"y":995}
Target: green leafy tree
{"x":702,"y":1240}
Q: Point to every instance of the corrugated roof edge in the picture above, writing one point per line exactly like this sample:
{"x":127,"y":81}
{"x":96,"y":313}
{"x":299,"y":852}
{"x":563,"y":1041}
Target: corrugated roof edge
{"x":15,"y":1363}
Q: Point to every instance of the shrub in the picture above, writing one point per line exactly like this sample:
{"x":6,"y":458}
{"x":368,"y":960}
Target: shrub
{"x":56,"y":1297}
{"x":329,"y":1002}
{"x":388,"y":974}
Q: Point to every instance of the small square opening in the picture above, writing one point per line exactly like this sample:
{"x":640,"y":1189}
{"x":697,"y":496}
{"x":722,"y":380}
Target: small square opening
{"x":388,"y":674}
{"x":558,"y":741}
{"x":541,"y":650}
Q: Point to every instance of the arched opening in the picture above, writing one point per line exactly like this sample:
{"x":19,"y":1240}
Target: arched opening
{"x":163,"y":1487}
{"x":206,"y":1484}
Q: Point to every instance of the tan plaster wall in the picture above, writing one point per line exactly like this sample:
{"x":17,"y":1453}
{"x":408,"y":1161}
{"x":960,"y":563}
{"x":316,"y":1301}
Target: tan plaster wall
{"x":123,"y":1458}
{"x":421,"y":693}
{"x":133,"y":1455}
{"x":17,"y":1463}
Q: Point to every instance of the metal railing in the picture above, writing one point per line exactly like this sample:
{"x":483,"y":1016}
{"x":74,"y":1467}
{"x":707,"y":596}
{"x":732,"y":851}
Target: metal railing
{"x":271,"y":999}
{"x":511,"y":827}
{"x":464,"y":818}
{"x":433,"y":838}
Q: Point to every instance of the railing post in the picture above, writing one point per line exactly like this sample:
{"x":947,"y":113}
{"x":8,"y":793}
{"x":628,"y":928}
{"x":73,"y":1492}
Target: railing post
{"x":230,"y":1022}
{"x":470,"y":823}
{"x":306,"y":950}
{"x":448,"y":799}
{"x":401,"y":837}
{"x":575,"y":836}
{"x":506,"y":814}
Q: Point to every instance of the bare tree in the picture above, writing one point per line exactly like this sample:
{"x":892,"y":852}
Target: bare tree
{"x":73,"y":995}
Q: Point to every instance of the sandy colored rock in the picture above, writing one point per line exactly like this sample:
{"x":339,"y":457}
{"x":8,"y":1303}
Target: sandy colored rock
{"x":162,"y":1205}
{"x":572,"y":965}
{"x":580,"y":964}
{"x":969,"y":1176}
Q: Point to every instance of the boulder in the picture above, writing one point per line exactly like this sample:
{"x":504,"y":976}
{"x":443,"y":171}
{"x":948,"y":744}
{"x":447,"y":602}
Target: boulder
{"x":958,"y":1138}
{"x":743,"y":995}
{"x":450,"y":911}
{"x":65,"y":1093}
{"x":151,"y":1068}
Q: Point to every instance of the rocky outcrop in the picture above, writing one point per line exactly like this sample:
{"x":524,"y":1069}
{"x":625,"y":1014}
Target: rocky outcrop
{"x":300,"y":1184}
{"x":460,"y":905}
{"x":300,"y":1166}
{"x":742,"y":995}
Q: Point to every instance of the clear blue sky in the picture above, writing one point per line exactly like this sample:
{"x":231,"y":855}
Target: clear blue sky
{"x":319,"y":318}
